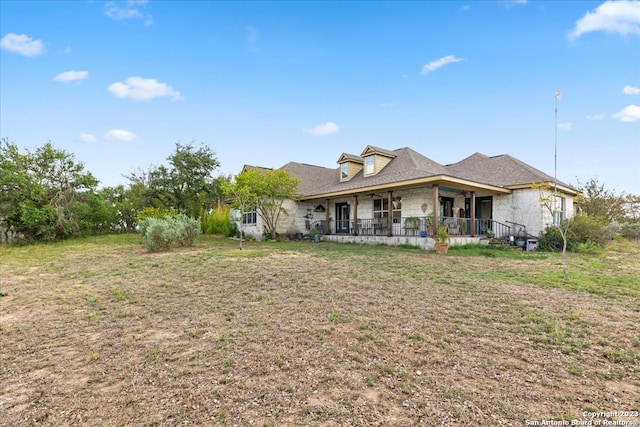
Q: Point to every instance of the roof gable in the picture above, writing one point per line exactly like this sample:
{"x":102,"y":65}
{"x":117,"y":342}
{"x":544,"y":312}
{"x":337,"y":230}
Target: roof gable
{"x":370,"y":149}
{"x":345,"y":157}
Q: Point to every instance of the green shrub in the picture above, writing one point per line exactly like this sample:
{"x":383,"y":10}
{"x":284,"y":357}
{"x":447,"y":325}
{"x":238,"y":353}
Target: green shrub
{"x":217,"y":221}
{"x":160,"y":234}
{"x":612,"y":231}
{"x":186,"y":229}
{"x":551,"y":240}
{"x":583,"y":229}
{"x":589,"y":248}
{"x":630,"y":230}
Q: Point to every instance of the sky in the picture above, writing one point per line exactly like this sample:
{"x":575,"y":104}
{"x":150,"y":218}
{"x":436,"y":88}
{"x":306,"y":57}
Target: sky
{"x":119,"y":83}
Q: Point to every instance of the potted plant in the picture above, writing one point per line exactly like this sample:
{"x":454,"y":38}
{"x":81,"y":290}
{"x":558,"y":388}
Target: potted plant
{"x":428,"y":222}
{"x":315,"y":234}
{"x":442,"y":240}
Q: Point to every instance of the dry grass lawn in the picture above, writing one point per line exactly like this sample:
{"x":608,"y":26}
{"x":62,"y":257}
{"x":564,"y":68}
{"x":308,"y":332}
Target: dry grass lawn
{"x":99,"y":332}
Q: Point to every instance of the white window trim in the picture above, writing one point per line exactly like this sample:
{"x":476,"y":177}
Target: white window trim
{"x":369,"y":165}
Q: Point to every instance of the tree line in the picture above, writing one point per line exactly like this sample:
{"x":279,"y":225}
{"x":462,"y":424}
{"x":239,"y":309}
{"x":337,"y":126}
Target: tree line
{"x":46,"y":194}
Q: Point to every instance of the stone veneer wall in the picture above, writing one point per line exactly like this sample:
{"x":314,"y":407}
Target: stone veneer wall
{"x":521,"y":206}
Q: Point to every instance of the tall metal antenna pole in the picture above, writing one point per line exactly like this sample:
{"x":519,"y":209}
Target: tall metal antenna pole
{"x":555,"y":158}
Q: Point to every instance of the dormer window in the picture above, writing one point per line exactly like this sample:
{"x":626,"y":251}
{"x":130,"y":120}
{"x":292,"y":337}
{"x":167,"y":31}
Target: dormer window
{"x":368,"y":165}
{"x":350,"y":165}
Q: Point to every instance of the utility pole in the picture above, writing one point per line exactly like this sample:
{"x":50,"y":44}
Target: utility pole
{"x":555,"y":159}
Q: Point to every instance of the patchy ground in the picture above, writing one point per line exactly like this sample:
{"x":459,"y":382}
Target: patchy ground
{"x":99,"y":332}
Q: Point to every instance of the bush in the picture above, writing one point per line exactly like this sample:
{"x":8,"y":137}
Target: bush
{"x":186,"y":229}
{"x":612,"y":231}
{"x":586,"y":228}
{"x":157,"y":234}
{"x":589,"y":248}
{"x":217,"y":221}
{"x":160,"y":234}
{"x":583,"y":229}
{"x":630,"y":230}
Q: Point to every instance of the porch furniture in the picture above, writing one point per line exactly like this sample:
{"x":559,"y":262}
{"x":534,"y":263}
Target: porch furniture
{"x":411,"y":226}
{"x":379,"y":226}
{"x":453,"y":228}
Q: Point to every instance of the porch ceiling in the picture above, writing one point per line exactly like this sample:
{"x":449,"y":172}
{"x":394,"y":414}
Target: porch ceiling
{"x":440,"y":180}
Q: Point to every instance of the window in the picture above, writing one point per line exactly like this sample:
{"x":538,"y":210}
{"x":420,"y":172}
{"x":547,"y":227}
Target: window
{"x":344,"y":168}
{"x":559,"y":205}
{"x":368,"y":165}
{"x":381,"y":208}
{"x":250,"y":217}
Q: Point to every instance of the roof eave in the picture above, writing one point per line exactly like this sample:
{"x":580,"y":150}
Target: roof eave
{"x":443,"y":180}
{"x":560,"y":187}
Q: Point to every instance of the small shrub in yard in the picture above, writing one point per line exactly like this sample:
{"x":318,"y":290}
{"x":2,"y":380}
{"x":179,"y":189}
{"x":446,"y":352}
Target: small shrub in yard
{"x":631,"y":230}
{"x":589,"y":247}
{"x":218,"y":221}
{"x":160,"y":234}
{"x":186,"y":229}
{"x":157,"y":234}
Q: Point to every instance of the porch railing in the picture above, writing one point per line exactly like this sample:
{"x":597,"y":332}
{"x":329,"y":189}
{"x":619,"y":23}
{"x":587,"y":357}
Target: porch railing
{"x":415,"y":226}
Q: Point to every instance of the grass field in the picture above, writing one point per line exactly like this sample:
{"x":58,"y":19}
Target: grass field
{"x":99,"y":332}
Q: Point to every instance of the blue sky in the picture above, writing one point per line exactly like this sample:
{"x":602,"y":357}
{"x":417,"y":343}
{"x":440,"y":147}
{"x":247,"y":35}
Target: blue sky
{"x":119,"y":83}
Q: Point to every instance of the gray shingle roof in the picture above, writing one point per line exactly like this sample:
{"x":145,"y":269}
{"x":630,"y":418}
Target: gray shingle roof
{"x":501,"y":171}
{"x":407,"y":164}
{"x":345,"y":157}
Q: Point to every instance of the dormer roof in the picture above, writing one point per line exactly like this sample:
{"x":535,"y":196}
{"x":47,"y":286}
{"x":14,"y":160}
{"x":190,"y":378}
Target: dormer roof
{"x":345,"y":157}
{"x":370,"y":149}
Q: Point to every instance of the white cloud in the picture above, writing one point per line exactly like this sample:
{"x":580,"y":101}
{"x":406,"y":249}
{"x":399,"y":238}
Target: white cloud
{"x":87,"y":137}
{"x":565,"y":126}
{"x":630,"y":90}
{"x":619,"y":17}
{"x":22,"y":44}
{"x":324,"y":129}
{"x":120,"y":135}
{"x":140,"y":89}
{"x":70,"y":76}
{"x":596,"y":116}
{"x":630,"y":113}
{"x":119,"y":11}
{"x":434,"y":65}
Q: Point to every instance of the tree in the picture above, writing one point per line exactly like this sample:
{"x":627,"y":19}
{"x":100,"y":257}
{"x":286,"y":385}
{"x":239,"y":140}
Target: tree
{"x":597,"y":201}
{"x":632,"y":207}
{"x":186,"y":184}
{"x":42,"y":190}
{"x":548,"y":202}
{"x":267,"y":190}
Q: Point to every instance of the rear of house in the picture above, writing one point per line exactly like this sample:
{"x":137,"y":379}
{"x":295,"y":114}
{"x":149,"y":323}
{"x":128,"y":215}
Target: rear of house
{"x":400,"y":196}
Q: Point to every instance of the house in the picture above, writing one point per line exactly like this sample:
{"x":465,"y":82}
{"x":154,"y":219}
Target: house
{"x":399,"y":196}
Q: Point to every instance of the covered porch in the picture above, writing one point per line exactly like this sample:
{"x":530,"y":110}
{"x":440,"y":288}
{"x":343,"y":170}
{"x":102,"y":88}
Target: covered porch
{"x":412,"y":211}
